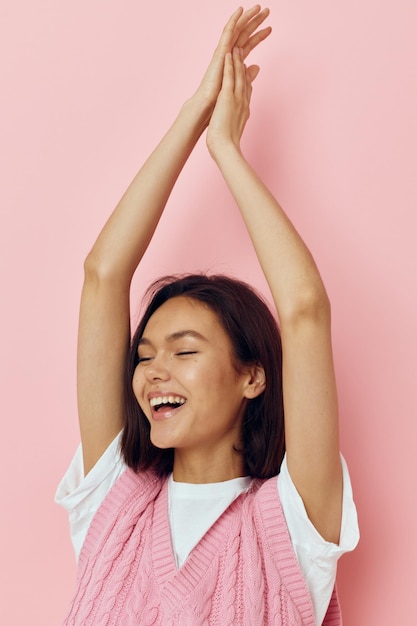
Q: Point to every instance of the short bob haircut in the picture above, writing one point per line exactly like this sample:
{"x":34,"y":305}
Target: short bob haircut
{"x":255,"y":340}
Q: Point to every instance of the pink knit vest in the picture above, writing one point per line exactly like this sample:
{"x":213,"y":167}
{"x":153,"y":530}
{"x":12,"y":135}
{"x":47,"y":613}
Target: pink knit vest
{"x":243,"y":572}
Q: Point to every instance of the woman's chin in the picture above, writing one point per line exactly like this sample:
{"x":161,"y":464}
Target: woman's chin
{"x":162,"y":442}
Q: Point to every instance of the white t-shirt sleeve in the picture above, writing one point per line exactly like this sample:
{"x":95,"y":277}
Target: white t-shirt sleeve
{"x":317,"y":557}
{"x":81,"y":496}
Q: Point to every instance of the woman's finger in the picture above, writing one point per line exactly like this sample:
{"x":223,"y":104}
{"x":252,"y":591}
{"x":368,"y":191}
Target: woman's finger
{"x":240,"y":26}
{"x":256,"y":39}
{"x":239,"y":72}
{"x":239,"y":30}
{"x":252,"y":72}
{"x":229,"y":31}
{"x":228,"y":74}
{"x":247,"y":28}
{"x":248,"y":15}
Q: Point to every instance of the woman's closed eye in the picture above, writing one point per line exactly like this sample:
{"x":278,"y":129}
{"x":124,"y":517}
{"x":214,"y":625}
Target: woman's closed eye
{"x":144,"y":359}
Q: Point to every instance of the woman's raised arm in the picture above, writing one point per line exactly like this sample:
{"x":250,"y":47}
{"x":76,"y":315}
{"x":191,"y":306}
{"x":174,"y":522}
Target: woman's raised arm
{"x":310,"y":400}
{"x":104,"y":327}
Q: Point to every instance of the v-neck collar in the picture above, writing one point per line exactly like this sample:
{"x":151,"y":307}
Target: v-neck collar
{"x":175,"y":583}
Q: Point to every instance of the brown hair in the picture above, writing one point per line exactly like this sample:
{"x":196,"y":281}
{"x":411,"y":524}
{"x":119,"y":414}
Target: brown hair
{"x":255,"y":339}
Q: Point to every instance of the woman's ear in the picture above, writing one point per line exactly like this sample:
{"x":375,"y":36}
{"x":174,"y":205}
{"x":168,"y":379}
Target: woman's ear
{"x":256,"y":382}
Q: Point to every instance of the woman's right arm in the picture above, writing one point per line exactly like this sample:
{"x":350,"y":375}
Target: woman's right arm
{"x":104,"y":326}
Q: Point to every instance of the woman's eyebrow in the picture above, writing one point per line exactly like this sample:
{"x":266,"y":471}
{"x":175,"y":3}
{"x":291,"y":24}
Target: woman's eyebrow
{"x":185,"y":333}
{"x":143,"y":341}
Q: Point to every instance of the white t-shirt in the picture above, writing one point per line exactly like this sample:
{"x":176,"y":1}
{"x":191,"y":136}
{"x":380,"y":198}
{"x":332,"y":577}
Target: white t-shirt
{"x":194,"y":508}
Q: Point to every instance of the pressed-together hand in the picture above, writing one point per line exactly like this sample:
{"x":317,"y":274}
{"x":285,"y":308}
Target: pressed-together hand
{"x":231,"y":112}
{"x":240,"y":32}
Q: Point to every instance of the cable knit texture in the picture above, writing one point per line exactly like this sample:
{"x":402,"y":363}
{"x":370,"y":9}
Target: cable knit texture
{"x":243,"y":572}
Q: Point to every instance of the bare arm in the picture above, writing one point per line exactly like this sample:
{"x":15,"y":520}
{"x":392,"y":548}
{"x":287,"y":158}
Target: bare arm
{"x":104,"y":327}
{"x":310,"y":399}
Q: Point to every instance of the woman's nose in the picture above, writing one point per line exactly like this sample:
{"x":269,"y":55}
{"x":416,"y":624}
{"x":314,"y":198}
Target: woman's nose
{"x":157,"y":369}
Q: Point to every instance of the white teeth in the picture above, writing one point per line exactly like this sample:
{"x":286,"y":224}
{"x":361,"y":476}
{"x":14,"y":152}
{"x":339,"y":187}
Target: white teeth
{"x":166,"y":400}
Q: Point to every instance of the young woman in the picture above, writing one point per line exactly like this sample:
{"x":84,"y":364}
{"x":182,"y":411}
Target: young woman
{"x":174,"y":500}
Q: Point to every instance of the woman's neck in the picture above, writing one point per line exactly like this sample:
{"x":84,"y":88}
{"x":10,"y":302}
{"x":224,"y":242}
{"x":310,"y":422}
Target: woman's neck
{"x":200,"y":467}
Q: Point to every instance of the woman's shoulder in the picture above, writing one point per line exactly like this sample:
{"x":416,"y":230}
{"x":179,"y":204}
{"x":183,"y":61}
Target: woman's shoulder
{"x":267,"y":502}
{"x":130,"y":494}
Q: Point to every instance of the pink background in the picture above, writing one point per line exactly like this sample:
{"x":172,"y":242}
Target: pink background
{"x":87,"y":90}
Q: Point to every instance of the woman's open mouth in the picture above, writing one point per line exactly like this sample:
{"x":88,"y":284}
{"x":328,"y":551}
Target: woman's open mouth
{"x":165,"y":406}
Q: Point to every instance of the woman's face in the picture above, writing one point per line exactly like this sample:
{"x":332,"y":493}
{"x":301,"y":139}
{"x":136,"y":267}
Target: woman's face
{"x":186,"y":381}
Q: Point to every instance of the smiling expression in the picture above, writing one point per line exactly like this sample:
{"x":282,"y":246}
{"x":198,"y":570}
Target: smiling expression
{"x":187,"y":381}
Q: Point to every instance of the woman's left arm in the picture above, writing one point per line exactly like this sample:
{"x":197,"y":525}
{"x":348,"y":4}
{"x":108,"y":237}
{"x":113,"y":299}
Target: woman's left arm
{"x":310,"y":398}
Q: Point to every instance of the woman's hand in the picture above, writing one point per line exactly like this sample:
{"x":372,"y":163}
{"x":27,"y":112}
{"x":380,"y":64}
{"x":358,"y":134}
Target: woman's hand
{"x":232,"y":108}
{"x":240,"y":32}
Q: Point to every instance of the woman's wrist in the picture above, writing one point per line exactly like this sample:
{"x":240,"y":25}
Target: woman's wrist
{"x":222,"y":149}
{"x":198,"y":109}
